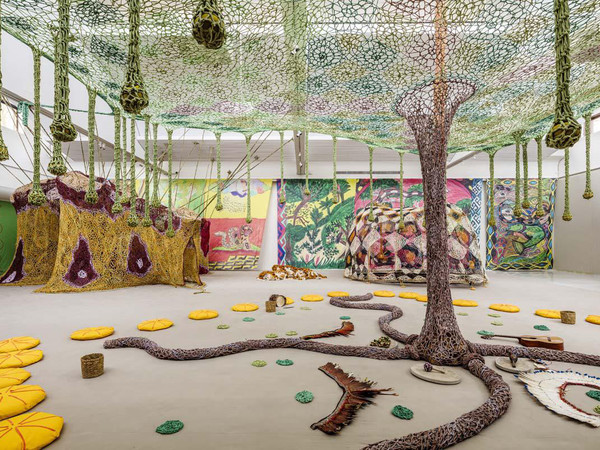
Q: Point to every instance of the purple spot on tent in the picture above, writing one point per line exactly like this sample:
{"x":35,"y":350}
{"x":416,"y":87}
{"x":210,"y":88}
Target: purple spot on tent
{"x":81,"y":271}
{"x":138,"y":261}
{"x":15,"y":272}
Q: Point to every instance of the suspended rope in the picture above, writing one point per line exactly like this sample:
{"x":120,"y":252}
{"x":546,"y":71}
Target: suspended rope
{"x":170,"y":231}
{"x":539,"y":212}
{"x":3,"y":149}
{"x":219,"y":205}
{"x":124,"y":190}
{"x":117,"y":207}
{"x":401,"y":193}
{"x":306,"y":188}
{"x":155,"y":203}
{"x":132,"y":220}
{"x":371,"y":216}
{"x":517,"y":210}
{"x":567,"y":212}
{"x":146,"y":221}
{"x":282,"y":189}
{"x":91,"y":196}
{"x":36,"y":195}
{"x":248,"y":182}
{"x":526,"y":203}
{"x":491,"y":183}
{"x":334,"y":187}
{"x":587,"y":194}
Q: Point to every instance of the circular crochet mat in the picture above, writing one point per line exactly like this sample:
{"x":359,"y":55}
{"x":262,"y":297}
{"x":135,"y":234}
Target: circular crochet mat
{"x":21,"y":358}
{"x":12,"y":377}
{"x":384,"y":294}
{"x":15,"y":344}
{"x":30,"y":431}
{"x":19,"y":399}
{"x":203,"y":314}
{"x":465,"y":303}
{"x":284,"y":362}
{"x":170,"y":427}
{"x":411,"y":295}
{"x":88,"y":334}
{"x":244,"y":307}
{"x":154,"y":325}
{"x":505,"y":307}
{"x":248,"y":319}
{"x":402,"y":412}
{"x":421,"y":298}
{"x":522,"y":365}
{"x":448,"y":377}
{"x":304,"y":397}
{"x":593,"y":394}
{"x":259,"y":363}
{"x":338,"y":294}
{"x":548,"y":313}
{"x":593,"y":319}
{"x":311,"y":298}
{"x":223,"y":326}
{"x":541,"y":327}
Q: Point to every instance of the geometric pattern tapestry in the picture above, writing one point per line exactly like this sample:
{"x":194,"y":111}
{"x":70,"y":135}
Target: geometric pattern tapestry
{"x":234,"y":244}
{"x":523,"y":243}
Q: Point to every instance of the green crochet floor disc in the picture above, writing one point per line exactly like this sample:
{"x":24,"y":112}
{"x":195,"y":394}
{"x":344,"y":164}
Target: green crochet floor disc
{"x":271,"y":335}
{"x":170,"y":427}
{"x":259,"y":363}
{"x":485,"y":333}
{"x":344,"y":317}
{"x":462,"y":314}
{"x":285,"y":362}
{"x":280,"y":313}
{"x":541,"y":327}
{"x":291,"y":333}
{"x":304,"y":397}
{"x":402,"y":412}
{"x":593,"y":394}
{"x":248,"y":319}
{"x":222,"y":327}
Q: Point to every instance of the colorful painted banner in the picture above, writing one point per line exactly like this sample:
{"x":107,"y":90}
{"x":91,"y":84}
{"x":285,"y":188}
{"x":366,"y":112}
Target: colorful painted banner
{"x":522,"y":243}
{"x":234,"y":244}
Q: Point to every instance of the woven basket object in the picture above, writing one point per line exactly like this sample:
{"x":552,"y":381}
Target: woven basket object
{"x":92,"y":365}
{"x":271,"y":305}
{"x":568,"y":317}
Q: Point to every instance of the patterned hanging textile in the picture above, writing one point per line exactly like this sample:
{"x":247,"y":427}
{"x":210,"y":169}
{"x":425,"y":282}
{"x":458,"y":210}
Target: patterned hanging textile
{"x":117,"y":207}
{"x":91,"y":196}
{"x":219,"y":205}
{"x":132,"y":220}
{"x":36,"y":195}
{"x":248,"y":182}
{"x":587,"y":194}
{"x":170,"y":231}
{"x":155,"y":203}
{"x":146,"y":221}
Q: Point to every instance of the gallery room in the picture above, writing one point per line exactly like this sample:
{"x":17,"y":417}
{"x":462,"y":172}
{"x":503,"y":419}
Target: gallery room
{"x":299,"y":224}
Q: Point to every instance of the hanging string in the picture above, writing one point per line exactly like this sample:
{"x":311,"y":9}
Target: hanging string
{"x":567,"y":212}
{"x":132,"y":220}
{"x":146,"y":221}
{"x":248,"y":182}
{"x":539,"y":212}
{"x":155,"y":203}
{"x":371,"y":216}
{"x":334,"y":187}
{"x":117,"y":207}
{"x":526,"y":203}
{"x":36,"y":195}
{"x":170,"y":231}
{"x":124,"y":194}
{"x":219,"y":205}
{"x":57,"y":165}
{"x":282,"y":188}
{"x":517,"y":210}
{"x":91,"y":196}
{"x":492,"y":181}
{"x":306,"y":189}
{"x":401,"y":189}
{"x":3,"y":149}
{"x":587,"y":194}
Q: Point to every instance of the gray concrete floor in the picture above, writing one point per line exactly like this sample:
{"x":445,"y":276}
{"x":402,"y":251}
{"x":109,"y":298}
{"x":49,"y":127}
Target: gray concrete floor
{"x":226,"y":403}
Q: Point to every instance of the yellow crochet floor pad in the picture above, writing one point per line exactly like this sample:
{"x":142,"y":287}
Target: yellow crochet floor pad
{"x":548,"y":313}
{"x":412,"y":295}
{"x":421,"y":298}
{"x":19,"y":399}
{"x":154,"y":325}
{"x":18,"y":343}
{"x":244,"y":307}
{"x":593,"y":319}
{"x":12,"y":377}
{"x":21,"y":358}
{"x":311,"y":298}
{"x":338,"y":294}
{"x":30,"y":431}
{"x":465,"y":303}
{"x":384,"y":294}
{"x":203,"y":314}
{"x":88,"y":334}
{"x":505,"y":307}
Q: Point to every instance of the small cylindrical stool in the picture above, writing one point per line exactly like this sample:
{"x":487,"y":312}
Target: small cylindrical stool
{"x":92,"y":365}
{"x":568,"y":317}
{"x":271,"y":305}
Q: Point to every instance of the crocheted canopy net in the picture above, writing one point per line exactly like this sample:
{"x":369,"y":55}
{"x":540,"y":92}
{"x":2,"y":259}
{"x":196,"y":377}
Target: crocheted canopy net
{"x":339,"y":67}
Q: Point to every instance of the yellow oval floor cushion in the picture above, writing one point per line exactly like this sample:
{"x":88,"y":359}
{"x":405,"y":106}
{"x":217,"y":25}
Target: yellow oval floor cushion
{"x":548,"y":313}
{"x":593,"y":319}
{"x":12,"y":377}
{"x":311,"y":298}
{"x":203,"y":314}
{"x":88,"y":334}
{"x":154,"y":324}
{"x":408,"y":294}
{"x":244,"y":307}
{"x":338,"y":294}
{"x":21,"y":358}
{"x":288,"y":301}
{"x":421,"y":298}
{"x":18,"y":343}
{"x":384,"y":294}
{"x":19,"y":399}
{"x":30,"y":431}
{"x":505,"y":307}
{"x":465,"y":303}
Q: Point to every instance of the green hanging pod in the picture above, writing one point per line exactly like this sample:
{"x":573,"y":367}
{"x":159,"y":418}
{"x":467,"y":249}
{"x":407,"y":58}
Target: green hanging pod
{"x":124,"y":190}
{"x":306,"y":156}
{"x":170,"y":232}
{"x":492,"y":182}
{"x":219,"y":205}
{"x":117,"y":207}
{"x":539,"y":211}
{"x":208,"y":27}
{"x":587,"y":194}
{"x":3,"y":149}
{"x":133,"y":219}
{"x":248,"y":182}
{"x":371,"y":216}
{"x":36,"y":195}
{"x":282,"y":190}
{"x":134,"y":97}
{"x":334,"y":186}
{"x":155,"y":203}
{"x":517,"y":210}
{"x":91,"y":196}
{"x":567,"y":216}
{"x":401,"y":193}
{"x":526,"y":203}
{"x":146,"y":221}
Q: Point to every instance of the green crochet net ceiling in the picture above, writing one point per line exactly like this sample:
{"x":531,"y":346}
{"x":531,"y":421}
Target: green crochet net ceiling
{"x":330,"y":66}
